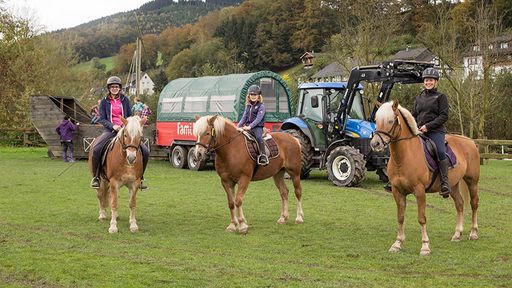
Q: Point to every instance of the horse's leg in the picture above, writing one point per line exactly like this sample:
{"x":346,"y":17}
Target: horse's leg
{"x":133,"y":203}
{"x":298,"y":194}
{"x":283,"y":190}
{"x":113,"y":204}
{"x":421,"y":200}
{"x":229,"y":187}
{"x":243,"y":184}
{"x":459,"y":206}
{"x":102,"y":194}
{"x":473,"y":194}
{"x":400,"y":216}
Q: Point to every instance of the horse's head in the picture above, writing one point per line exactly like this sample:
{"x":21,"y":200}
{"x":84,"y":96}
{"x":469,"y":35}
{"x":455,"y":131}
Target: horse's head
{"x":389,"y":126}
{"x":130,"y":135}
{"x":206,"y":130}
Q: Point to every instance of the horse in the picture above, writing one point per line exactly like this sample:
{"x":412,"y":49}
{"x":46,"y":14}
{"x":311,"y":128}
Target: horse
{"x":409,"y":174}
{"x":122,"y":167}
{"x":235,"y":166}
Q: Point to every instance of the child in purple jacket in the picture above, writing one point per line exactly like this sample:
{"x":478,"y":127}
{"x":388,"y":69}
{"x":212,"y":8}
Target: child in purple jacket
{"x":66,"y":129}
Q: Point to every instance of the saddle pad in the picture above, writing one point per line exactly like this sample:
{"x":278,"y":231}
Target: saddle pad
{"x":271,"y":148}
{"x":431,"y":159}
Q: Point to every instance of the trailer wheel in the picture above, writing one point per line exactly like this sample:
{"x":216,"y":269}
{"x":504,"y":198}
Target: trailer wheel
{"x":178,"y":157}
{"x":346,"y":166}
{"x":193,"y":164}
{"x":306,"y":152}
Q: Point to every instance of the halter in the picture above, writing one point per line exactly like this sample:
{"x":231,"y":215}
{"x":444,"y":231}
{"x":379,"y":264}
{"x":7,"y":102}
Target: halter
{"x":213,"y":141}
{"x":390,"y":133}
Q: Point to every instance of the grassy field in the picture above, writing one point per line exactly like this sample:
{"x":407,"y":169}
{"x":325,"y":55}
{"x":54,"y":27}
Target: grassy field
{"x":50,"y":235}
{"x":108,"y":61}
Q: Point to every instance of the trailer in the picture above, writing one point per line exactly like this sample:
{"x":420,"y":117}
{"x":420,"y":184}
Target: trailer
{"x":184,"y":98}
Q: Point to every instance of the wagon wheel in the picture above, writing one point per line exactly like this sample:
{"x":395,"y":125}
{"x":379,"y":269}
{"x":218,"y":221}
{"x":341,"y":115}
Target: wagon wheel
{"x":346,"y":166}
{"x":306,"y":152}
{"x":178,"y":157}
{"x":193,"y":164}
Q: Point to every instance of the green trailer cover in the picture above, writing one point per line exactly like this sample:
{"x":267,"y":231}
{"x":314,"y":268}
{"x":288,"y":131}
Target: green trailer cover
{"x":183,"y":98}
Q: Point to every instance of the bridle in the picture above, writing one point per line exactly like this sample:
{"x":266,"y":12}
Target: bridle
{"x":213,"y":141}
{"x":123,"y":144}
{"x":392,"y":132}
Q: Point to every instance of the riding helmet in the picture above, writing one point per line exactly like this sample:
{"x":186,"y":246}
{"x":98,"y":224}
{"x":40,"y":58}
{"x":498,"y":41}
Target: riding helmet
{"x":254,"y":89}
{"x":113,"y":80}
{"x":430,"y":73}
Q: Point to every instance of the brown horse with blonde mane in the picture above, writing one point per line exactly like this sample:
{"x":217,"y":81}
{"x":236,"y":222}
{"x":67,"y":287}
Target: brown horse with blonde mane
{"x":235,"y":166}
{"x":409,"y":174}
{"x":122,"y":167}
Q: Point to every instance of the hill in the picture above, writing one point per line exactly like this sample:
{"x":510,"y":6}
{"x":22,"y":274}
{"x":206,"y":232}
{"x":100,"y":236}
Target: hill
{"x":104,"y":36}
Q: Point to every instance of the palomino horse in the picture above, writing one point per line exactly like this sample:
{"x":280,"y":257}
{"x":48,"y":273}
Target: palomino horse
{"x":409,"y":174}
{"x":123,"y":167}
{"x":235,"y":166}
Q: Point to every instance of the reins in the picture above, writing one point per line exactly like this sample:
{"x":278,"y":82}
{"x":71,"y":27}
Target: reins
{"x":391,"y":131}
{"x":124,"y":146}
{"x":213,"y":141}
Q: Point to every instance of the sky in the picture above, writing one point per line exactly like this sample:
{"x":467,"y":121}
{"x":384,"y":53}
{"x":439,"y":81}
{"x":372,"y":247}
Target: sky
{"x":52,"y":15}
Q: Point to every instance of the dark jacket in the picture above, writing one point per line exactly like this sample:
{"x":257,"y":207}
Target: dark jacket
{"x":254,"y":115}
{"x":431,"y":109}
{"x":106,"y":111}
{"x":66,"y":130}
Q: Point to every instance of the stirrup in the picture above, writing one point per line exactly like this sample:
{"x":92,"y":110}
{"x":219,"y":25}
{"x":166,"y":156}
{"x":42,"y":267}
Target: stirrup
{"x":142,"y":186}
{"x":262,"y":160}
{"x":95,"y":183}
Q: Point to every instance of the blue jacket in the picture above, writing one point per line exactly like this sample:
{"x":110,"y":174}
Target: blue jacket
{"x":254,"y":115}
{"x":106,"y":111}
{"x":66,"y":130}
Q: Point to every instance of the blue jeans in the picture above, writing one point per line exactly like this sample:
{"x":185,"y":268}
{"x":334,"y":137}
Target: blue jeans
{"x":438,"y":138}
{"x":258,"y":132}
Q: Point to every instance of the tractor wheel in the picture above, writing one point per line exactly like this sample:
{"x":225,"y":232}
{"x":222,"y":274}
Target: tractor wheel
{"x":306,"y":151}
{"x":383,"y":174}
{"x":346,"y":166}
{"x":178,"y":157}
{"x":193,"y":164}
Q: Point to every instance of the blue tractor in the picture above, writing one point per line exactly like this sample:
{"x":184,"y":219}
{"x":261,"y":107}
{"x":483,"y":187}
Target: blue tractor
{"x":334,"y":123}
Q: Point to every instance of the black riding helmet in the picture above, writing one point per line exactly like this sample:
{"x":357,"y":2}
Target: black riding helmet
{"x":254,"y":89}
{"x":430,"y":73}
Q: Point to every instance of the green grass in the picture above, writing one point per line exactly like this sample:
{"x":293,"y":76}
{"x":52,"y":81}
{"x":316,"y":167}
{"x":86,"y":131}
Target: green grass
{"x":50,"y":235}
{"x":84,"y":66}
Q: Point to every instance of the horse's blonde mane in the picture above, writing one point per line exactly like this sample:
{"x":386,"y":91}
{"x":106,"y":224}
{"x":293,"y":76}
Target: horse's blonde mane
{"x":133,"y":127}
{"x":219,"y":124}
{"x":386,"y":114}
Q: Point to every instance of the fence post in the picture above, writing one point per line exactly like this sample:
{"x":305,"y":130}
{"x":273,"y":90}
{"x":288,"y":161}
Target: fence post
{"x":483,"y":149}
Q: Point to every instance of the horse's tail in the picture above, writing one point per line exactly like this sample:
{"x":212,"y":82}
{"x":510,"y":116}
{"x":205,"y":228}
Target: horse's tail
{"x":464,"y":192}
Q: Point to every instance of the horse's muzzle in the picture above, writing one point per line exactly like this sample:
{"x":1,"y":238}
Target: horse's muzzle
{"x":131,"y":157}
{"x":376,"y":144}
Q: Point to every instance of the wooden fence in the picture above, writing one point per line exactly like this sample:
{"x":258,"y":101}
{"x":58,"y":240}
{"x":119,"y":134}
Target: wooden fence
{"x":26,"y":133}
{"x":494,"y":149}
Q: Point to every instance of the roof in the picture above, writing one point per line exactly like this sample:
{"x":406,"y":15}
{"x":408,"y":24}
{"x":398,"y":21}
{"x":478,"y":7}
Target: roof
{"x":183,"y":98}
{"x":333,"y":69}
{"x":308,"y":55}
{"x":418,"y":54}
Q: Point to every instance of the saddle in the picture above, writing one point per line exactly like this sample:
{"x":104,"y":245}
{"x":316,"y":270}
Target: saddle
{"x":429,"y":147}
{"x":271,"y":148}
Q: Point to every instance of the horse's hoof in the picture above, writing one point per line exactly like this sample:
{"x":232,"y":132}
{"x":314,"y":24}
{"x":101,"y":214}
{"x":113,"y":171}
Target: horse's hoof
{"x":134,"y":229}
{"x":456,"y":239}
{"x":231,"y":228}
{"x":243,"y":228}
{"x":281,"y":220}
{"x":112,"y":230}
{"x":425,"y":253}
{"x":394,"y":249}
{"x":299,"y":220}
{"x":102,"y":217}
{"x":473,"y":236}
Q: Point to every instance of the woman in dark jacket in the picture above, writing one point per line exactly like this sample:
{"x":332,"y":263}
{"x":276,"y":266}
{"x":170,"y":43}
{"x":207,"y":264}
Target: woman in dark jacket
{"x":114,"y":106}
{"x":254,"y":119}
{"x":431,"y":113}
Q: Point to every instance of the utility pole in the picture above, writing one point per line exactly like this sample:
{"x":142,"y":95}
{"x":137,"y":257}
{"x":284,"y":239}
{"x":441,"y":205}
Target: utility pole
{"x":137,"y":67}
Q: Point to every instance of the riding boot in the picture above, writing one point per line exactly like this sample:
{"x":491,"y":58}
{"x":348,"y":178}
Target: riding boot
{"x":95,"y":182}
{"x":262,"y":158}
{"x":142,"y":186}
{"x":145,"y":158}
{"x":445,"y":185}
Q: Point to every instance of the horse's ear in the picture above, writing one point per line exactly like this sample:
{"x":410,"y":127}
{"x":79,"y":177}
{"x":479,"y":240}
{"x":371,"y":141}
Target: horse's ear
{"x":124,"y":120}
{"x":395,"y":104}
{"x":212,"y":120}
{"x":143,"y":121}
{"x":197,"y":117}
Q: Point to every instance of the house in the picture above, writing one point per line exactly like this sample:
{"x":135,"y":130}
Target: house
{"x":417,"y":54}
{"x":307,"y":59}
{"x":146,"y":85}
{"x":500,"y":49}
{"x":330,"y":73}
